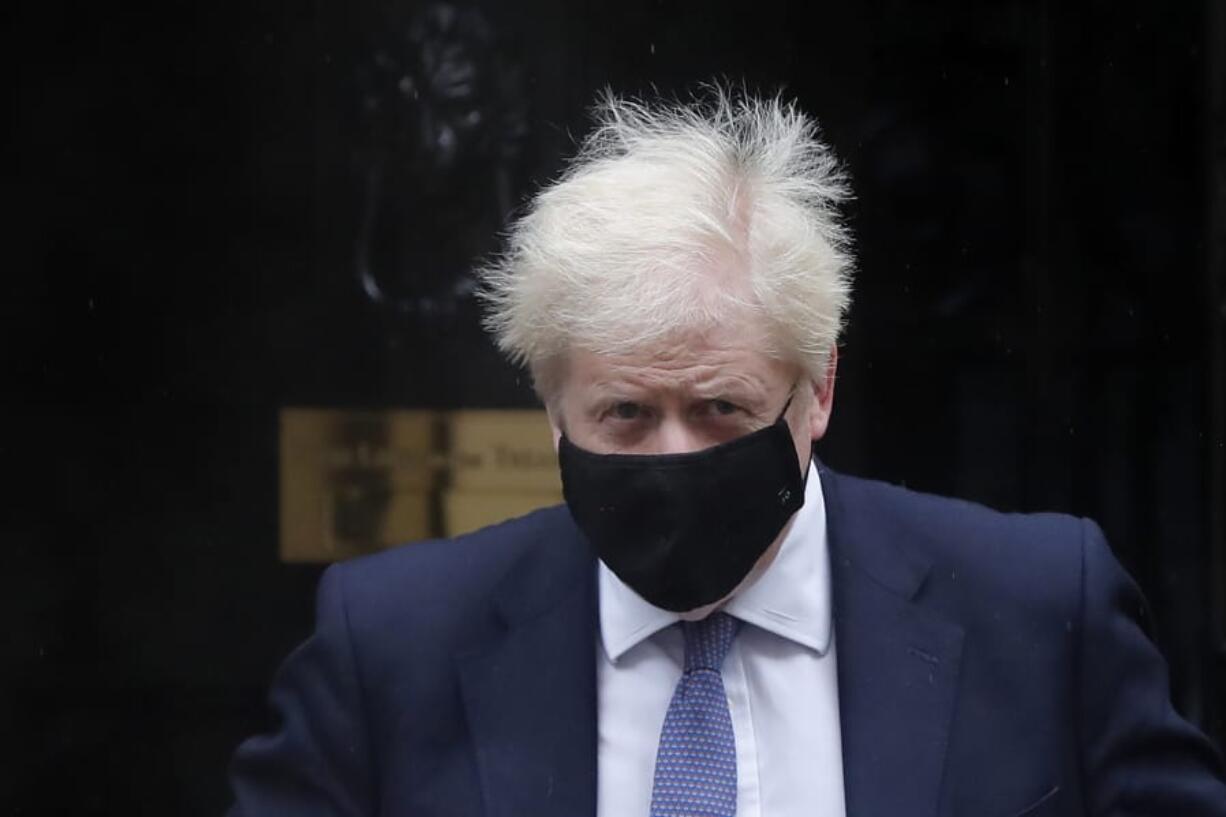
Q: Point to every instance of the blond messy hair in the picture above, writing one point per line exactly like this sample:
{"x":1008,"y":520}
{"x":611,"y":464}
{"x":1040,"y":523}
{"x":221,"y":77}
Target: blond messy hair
{"x":676,"y":218}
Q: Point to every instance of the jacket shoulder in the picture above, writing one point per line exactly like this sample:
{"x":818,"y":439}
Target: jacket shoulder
{"x":953,"y":520}
{"x":975,"y":553}
{"x":431,"y":581}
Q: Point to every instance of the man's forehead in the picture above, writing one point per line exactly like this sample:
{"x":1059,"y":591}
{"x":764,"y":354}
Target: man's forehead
{"x":698,"y":364}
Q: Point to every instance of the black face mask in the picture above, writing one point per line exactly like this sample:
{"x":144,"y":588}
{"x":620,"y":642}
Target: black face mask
{"x":683,"y":530}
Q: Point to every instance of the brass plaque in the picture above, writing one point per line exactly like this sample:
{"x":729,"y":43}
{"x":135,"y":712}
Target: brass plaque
{"x":501,"y":465}
{"x":465,"y":511}
{"x":354,"y":482}
{"x":358,"y":481}
{"x":502,"y":452}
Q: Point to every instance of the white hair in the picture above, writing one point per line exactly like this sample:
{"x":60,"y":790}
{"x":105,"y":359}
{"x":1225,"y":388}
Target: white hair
{"x":677,"y":218}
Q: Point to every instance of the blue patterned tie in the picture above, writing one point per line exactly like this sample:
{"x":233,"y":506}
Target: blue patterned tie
{"x":696,"y":761}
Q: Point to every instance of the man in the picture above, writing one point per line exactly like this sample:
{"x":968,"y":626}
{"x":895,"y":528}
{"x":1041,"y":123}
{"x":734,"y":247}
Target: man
{"x":715,"y":623}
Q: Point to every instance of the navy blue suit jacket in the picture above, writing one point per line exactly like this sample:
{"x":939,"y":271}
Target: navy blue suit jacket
{"x":990,"y":665}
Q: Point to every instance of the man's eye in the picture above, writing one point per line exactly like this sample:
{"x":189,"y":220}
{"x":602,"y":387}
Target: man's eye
{"x":720,"y":408}
{"x":626,"y":411}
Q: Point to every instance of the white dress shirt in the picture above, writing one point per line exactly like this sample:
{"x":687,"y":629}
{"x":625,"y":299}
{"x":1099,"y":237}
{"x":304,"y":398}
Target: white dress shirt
{"x":779,"y":675}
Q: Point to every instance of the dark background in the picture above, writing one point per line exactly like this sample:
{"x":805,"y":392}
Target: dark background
{"x":1038,"y":321}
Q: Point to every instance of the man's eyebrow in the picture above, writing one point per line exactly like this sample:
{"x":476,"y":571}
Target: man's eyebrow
{"x":603,"y":392}
{"x":725,"y":386}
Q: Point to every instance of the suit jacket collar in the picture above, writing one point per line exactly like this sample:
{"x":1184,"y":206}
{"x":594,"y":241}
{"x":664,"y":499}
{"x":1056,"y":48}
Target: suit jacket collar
{"x":897,"y":661}
{"x":530,"y":689}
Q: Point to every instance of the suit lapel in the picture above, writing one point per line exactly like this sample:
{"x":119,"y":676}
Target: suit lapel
{"x":897,"y":665}
{"x":530,"y":692}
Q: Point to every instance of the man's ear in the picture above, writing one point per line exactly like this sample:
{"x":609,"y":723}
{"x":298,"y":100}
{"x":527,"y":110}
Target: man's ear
{"x":553,"y":412}
{"x":822,"y":405}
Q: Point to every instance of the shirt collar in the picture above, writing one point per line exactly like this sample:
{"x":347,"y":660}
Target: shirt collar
{"x":791,"y":599}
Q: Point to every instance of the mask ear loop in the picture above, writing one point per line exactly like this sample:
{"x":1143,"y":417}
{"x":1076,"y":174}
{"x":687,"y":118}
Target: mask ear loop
{"x":804,"y":480}
{"x":788,"y":404}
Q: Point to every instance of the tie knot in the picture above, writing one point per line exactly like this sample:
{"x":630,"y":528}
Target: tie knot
{"x":708,"y":641}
